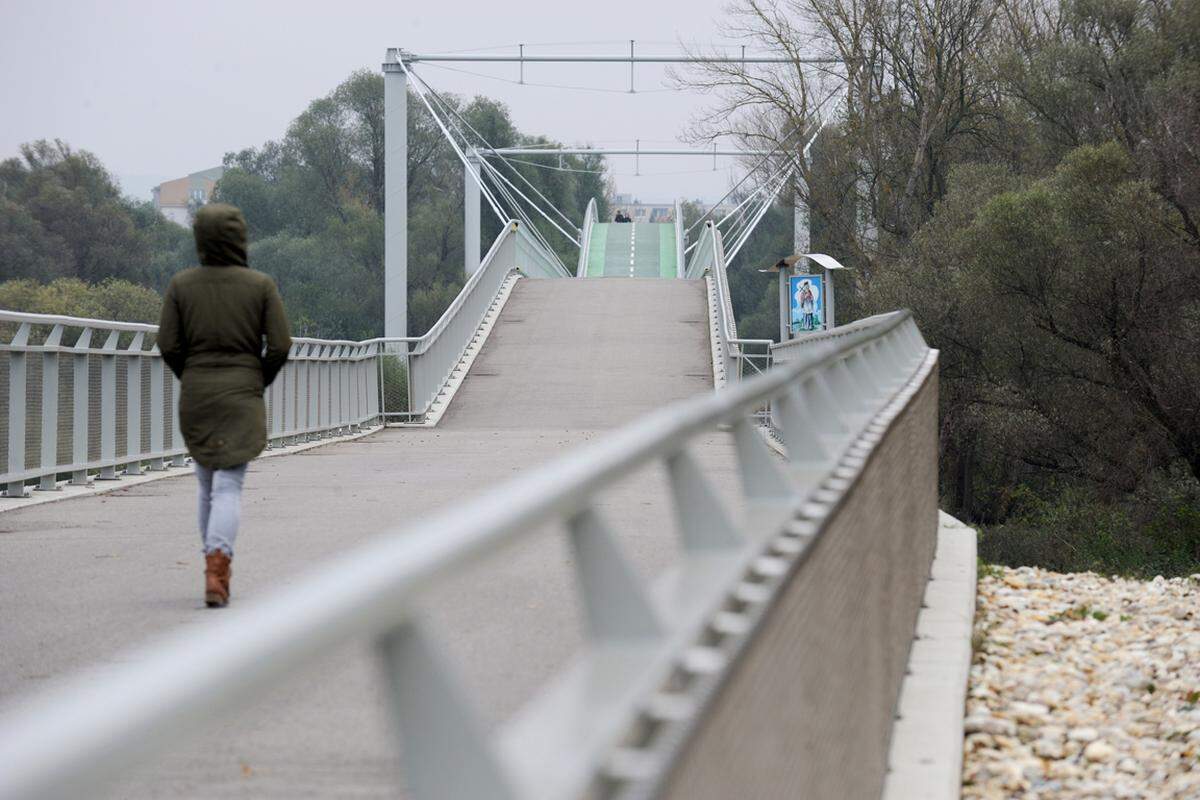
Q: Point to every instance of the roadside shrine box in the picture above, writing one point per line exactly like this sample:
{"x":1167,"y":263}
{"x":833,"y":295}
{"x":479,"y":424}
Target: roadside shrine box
{"x":805,"y":298}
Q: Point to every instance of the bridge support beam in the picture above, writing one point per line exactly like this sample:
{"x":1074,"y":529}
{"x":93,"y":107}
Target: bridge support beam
{"x":801,"y":241}
{"x":395,"y":190}
{"x":471,"y":209}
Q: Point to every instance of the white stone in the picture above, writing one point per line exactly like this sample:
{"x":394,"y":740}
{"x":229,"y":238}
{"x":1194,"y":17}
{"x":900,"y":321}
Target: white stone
{"x":1048,"y":748}
{"x":992,"y":725}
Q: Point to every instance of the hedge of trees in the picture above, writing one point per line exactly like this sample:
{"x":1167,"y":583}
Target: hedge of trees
{"x":1024,"y":175}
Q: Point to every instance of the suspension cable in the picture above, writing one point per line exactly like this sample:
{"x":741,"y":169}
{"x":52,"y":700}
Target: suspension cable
{"x":492,"y":149}
{"x":461,"y":156}
{"x":497,"y":174}
{"x":767,"y":201}
{"x":513,"y":204}
{"x":778,"y":148}
{"x":750,"y":196}
{"x":533,"y":229}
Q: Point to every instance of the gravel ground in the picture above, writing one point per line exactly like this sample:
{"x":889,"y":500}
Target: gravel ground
{"x":1083,"y":686}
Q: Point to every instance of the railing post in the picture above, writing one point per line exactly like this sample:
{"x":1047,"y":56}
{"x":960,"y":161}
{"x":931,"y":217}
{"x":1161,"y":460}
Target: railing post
{"x":179,"y":459}
{"x":761,"y":478}
{"x":406,"y":358}
{"x":324,"y":401}
{"x":79,"y":408}
{"x":356,"y":393}
{"x":868,"y":383}
{"x":892,"y":348}
{"x":845,"y":387}
{"x":108,"y":408}
{"x":445,"y":748}
{"x":373,"y":366}
{"x":335,"y":390}
{"x":17,"y":372}
{"x":340,"y":393}
{"x":909,"y":338}
{"x":275,"y":408}
{"x":817,"y":394}
{"x":348,"y":394}
{"x":804,"y":446}
{"x":49,"y":461}
{"x":329,"y":391}
{"x":313,"y":368}
{"x":366,"y":366}
{"x":133,"y":405}
{"x":886,"y":368}
{"x":615,"y":602}
{"x":290,"y":375}
{"x":704,"y":523}
{"x":157,"y":413}
{"x":303,"y":404}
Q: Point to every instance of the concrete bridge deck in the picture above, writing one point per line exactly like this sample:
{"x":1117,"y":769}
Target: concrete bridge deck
{"x":632,"y":250}
{"x":84,"y":581}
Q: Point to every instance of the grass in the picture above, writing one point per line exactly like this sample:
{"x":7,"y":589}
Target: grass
{"x":1081,"y":612}
{"x":985,"y":570}
{"x":1155,"y":531}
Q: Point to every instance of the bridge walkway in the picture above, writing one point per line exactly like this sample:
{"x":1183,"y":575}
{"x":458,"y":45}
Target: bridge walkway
{"x":83,"y":581}
{"x":632,"y":250}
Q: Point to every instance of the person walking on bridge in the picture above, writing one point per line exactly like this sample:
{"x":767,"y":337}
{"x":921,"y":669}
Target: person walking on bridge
{"x":214,"y":321}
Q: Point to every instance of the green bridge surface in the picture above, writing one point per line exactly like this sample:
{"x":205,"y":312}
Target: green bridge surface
{"x":632,"y":250}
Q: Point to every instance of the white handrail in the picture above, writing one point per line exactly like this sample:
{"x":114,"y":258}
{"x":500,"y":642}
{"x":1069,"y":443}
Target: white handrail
{"x":299,"y":406}
{"x":128,"y":422}
{"x":585,"y":239}
{"x":680,"y":265}
{"x":75,"y":322}
{"x":67,"y":740}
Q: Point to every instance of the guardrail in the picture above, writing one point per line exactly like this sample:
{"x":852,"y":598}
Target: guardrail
{"x":585,"y":238}
{"x":703,"y":256}
{"x":796,"y":348}
{"x":431,"y":359}
{"x":733,"y":357}
{"x":92,"y":399}
{"x":656,"y":653}
{"x":680,"y":235}
{"x":88,"y":398}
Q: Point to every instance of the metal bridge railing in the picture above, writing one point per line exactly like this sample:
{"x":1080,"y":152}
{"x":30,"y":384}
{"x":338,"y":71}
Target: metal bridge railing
{"x":655,"y":652}
{"x":429,"y":361}
{"x":680,"y":237}
{"x":585,"y":239}
{"x":802,"y":345}
{"x":88,"y":398}
{"x":733,"y":358}
{"x":93,"y":398}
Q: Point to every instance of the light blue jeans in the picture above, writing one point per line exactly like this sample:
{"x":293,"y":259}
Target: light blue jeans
{"x":220,"y":507}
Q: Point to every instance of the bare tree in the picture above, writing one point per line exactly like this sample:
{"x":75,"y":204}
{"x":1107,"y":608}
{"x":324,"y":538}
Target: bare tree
{"x":916,"y":93}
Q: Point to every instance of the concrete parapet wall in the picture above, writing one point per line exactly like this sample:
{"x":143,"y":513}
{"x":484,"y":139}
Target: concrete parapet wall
{"x":809,"y":708}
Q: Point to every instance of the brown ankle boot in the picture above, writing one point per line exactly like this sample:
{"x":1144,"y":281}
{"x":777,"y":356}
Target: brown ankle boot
{"x":216,"y":579}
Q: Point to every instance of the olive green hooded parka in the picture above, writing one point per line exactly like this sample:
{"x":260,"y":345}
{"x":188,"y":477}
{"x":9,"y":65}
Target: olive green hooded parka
{"x":214,"y":319}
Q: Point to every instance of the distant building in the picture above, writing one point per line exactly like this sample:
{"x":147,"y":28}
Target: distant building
{"x":178,"y":200}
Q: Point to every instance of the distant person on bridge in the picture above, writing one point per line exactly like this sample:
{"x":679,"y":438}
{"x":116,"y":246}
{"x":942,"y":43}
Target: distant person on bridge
{"x":214,"y":319}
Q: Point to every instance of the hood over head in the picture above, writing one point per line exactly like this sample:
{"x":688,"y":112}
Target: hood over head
{"x":220,"y":232}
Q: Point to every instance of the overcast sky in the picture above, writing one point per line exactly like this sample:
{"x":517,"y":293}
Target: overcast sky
{"x":160,"y":89}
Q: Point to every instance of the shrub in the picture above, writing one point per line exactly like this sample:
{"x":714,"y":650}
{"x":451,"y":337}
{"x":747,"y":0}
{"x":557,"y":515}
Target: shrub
{"x":1154,"y":531}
